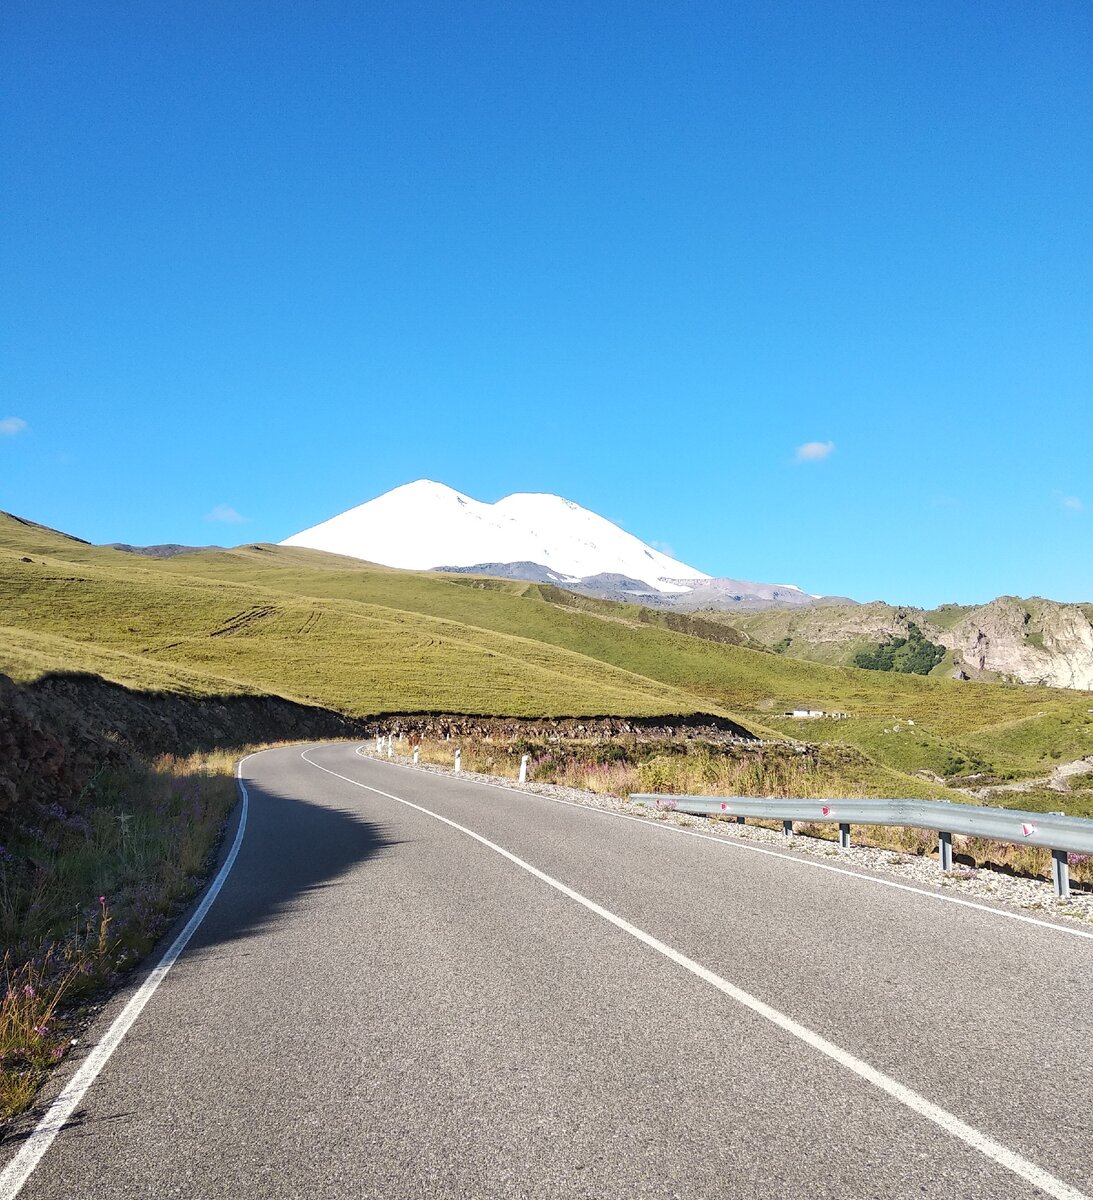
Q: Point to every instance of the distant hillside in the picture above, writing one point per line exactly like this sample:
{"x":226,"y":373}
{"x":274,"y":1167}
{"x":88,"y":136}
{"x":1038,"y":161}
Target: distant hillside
{"x":166,"y":550}
{"x":353,"y":638}
{"x":1031,"y":641}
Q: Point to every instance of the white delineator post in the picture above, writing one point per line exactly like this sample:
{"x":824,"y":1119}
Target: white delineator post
{"x":390,"y":747}
{"x":459,"y":760}
{"x":417,"y":755}
{"x":379,"y":743}
{"x":524,"y":768}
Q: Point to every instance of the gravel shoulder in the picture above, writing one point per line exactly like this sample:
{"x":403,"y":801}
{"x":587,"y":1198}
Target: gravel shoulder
{"x":979,"y":883}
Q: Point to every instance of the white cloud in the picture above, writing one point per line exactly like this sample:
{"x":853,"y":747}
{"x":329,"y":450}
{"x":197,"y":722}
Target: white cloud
{"x":663,"y":547}
{"x":10,"y":426}
{"x":227,"y":514}
{"x":1073,"y":503}
{"x":814,"y":451}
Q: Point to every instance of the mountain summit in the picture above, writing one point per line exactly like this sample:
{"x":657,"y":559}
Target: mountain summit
{"x":425,"y":525}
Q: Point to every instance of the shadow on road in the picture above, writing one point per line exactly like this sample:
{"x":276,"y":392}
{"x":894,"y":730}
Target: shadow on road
{"x":294,"y":845}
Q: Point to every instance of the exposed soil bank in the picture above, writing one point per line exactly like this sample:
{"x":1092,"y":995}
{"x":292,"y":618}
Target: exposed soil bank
{"x":59,"y":731}
{"x":689,"y":726}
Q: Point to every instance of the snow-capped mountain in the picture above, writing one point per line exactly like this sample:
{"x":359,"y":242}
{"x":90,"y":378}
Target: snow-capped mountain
{"x":424,"y":526}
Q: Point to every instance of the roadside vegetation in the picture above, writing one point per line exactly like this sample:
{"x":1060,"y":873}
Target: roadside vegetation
{"x":87,"y":887}
{"x":622,"y":767}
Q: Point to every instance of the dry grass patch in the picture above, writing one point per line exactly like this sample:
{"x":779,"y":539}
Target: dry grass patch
{"x":87,"y":889}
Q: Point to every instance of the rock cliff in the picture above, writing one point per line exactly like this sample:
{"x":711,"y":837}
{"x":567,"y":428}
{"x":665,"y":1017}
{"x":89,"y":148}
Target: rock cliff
{"x":1030,"y":641}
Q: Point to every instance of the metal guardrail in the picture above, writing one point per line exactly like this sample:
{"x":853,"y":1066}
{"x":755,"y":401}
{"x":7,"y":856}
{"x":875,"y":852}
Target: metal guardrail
{"x":1060,"y":834}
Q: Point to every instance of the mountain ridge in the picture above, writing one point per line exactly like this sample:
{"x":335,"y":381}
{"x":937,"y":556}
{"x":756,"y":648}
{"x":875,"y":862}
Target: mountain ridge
{"x":535,"y":536}
{"x":425,"y":524}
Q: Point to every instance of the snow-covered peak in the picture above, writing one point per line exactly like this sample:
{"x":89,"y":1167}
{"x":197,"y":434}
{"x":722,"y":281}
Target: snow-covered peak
{"x":424,"y":524}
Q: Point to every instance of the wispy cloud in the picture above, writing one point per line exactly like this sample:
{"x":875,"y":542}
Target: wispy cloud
{"x":663,"y":547}
{"x":1073,"y":503}
{"x":10,"y":426}
{"x":226,"y":514}
{"x":814,"y":451}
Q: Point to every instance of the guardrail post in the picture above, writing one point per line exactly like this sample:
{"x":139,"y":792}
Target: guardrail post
{"x":945,"y":850}
{"x":1063,"y":835}
{"x":1060,"y":873}
{"x":417,"y":755}
{"x":459,"y":760}
{"x":523,"y":768}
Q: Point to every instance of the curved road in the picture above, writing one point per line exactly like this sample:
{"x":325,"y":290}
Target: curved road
{"x":415,"y":985}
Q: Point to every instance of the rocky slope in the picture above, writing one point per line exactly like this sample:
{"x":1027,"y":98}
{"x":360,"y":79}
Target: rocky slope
{"x":1032,"y":641}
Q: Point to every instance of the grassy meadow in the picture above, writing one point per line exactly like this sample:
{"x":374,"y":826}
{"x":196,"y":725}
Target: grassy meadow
{"x":368,"y":640}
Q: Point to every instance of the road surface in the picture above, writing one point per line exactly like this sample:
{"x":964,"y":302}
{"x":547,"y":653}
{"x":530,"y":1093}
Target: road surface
{"x":416,"y":985}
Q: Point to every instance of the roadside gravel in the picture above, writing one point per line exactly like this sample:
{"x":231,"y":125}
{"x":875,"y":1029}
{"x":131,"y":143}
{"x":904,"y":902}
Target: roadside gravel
{"x":1035,"y":895}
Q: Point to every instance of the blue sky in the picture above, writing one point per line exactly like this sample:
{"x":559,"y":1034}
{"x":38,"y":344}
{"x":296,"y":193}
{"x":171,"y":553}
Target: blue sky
{"x":271,"y":260}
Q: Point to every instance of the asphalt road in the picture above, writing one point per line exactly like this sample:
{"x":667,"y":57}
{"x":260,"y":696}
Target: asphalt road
{"x":379,"y":1004}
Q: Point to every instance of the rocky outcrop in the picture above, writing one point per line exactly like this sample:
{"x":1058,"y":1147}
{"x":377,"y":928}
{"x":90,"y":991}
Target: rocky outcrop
{"x":1032,"y":641}
{"x":1029,"y":641}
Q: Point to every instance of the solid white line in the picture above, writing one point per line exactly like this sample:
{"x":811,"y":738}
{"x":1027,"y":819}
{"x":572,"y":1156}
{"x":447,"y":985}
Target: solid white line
{"x":738,"y":844}
{"x":19,"y":1169}
{"x":1001,"y":1155}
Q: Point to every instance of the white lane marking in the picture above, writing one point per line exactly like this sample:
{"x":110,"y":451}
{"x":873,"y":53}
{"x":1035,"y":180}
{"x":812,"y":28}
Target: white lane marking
{"x":1001,"y":1155}
{"x":736,"y":844}
{"x":30,"y":1154}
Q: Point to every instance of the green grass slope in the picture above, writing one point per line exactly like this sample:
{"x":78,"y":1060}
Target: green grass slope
{"x":76,"y":607}
{"x":368,"y":639}
{"x":736,"y":678}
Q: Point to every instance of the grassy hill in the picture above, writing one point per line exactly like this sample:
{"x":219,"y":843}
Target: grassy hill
{"x":224,"y":627}
{"x":364,"y":640}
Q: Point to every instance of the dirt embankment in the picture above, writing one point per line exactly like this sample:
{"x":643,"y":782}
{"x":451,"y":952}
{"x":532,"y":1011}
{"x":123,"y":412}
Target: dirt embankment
{"x":650,"y":729}
{"x":59,"y":732}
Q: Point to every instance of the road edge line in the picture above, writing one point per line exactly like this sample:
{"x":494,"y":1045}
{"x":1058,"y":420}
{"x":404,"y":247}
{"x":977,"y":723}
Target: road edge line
{"x":739,"y":844}
{"x":19,"y":1170}
{"x":992,"y":1150}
